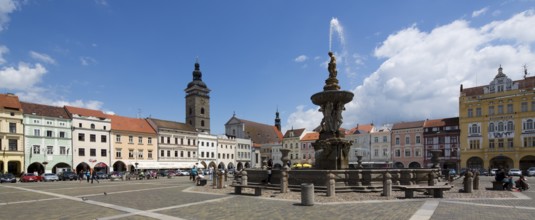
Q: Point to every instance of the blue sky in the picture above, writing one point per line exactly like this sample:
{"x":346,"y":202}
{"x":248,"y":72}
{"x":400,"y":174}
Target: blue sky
{"x":404,"y":60}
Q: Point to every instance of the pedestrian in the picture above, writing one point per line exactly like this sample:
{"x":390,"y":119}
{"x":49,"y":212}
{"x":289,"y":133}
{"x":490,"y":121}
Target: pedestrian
{"x":210,"y":171}
{"x":80,"y":176}
{"x":193,"y":173}
{"x":87,"y":175}
{"x":94,"y":177}
{"x":269,"y":175}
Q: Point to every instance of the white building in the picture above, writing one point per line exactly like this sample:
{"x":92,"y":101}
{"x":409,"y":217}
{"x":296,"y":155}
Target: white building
{"x":207,"y":145}
{"x":226,"y":152}
{"x":91,"y":139}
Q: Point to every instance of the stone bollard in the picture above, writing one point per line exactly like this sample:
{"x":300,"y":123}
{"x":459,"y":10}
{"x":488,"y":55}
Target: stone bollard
{"x":387,"y":185}
{"x":331,"y":188}
{"x":244,"y":178}
{"x":468,"y":182}
{"x":476,"y":181}
{"x":219,"y":180}
{"x":226,"y":175}
{"x":307,"y":194}
{"x":214,"y":179}
{"x":284,"y":180}
{"x":431,"y":182}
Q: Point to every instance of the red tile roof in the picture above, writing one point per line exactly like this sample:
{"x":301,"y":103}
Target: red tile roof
{"x":442,"y":122}
{"x":85,"y":112}
{"x":359,"y":129}
{"x":296,"y":133}
{"x":311,"y":136}
{"x":10,"y":101}
{"x":121,"y":123}
{"x":260,"y":133}
{"x":44,"y":110}
{"x":172,"y":125}
{"x":406,"y":125}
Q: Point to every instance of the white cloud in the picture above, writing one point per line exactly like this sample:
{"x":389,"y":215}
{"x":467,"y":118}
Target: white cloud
{"x":309,"y":119}
{"x":6,"y":7}
{"x":3,"y":50}
{"x":421,"y":71}
{"x":102,"y":2}
{"x":301,"y":58}
{"x":42,"y":57}
{"x":22,"y":77}
{"x":480,"y":12}
{"x":86,"y":61}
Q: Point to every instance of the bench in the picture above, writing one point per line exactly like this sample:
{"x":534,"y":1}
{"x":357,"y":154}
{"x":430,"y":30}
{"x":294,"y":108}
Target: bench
{"x":438,"y":191}
{"x":257,"y":189}
{"x":496,"y":185}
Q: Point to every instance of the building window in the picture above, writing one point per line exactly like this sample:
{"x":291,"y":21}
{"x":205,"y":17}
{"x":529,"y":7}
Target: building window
{"x":491,"y":143}
{"x":79,"y":125}
{"x":140,"y":140}
{"x":92,"y":152}
{"x":509,"y":142}
{"x":130,"y":139}
{"x":62,"y":134}
{"x":176,"y":153}
{"x":36,"y":149}
{"x":385,"y":152}
{"x":36,"y":132}
{"x":491,"y":127}
{"x":500,"y":126}
{"x":118,"y":153}
{"x":524,"y":107}
{"x":81,"y":152}
{"x":385,"y":139}
{"x":149,"y":154}
{"x":470,"y":113}
{"x":62,"y":150}
{"x":202,"y":123}
{"x":49,"y":150}
{"x":149,"y":140}
{"x":478,"y":112}
{"x":398,"y":153}
{"x":202,"y":111}
{"x":92,"y":138}
{"x":407,"y":140}
{"x":118,"y":138}
{"x":397,"y":140}
{"x":162,"y":153}
{"x":169,"y":140}
{"x":376,"y":152}
{"x":500,"y":143}
{"x":407,"y":152}
{"x":131,"y":154}
{"x":161,"y":140}
{"x":92,"y":126}
{"x":81,"y":137}
{"x":140,"y":154}
{"x":533,"y":106}
{"x":103,"y":153}
{"x":417,"y":139}
{"x":103,"y":138}
{"x":12,"y":128}
{"x":510,"y":108}
{"x":168,"y":153}
{"x":474,"y":144}
{"x":491,"y":110}
{"x":500,"y":109}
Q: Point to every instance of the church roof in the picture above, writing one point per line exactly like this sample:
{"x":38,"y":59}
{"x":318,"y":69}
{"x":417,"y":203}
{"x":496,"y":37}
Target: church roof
{"x":259,"y":133}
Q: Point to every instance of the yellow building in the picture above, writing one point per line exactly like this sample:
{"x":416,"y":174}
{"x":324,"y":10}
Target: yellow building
{"x":497,"y":124}
{"x":11,"y":135}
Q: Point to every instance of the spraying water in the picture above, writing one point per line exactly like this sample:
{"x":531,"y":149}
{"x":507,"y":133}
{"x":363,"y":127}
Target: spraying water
{"x":336,"y":27}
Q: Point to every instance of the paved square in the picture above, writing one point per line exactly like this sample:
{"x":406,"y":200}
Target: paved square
{"x":173,"y":199}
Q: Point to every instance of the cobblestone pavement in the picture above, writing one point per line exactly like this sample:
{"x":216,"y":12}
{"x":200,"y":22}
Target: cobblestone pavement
{"x":178,"y":198}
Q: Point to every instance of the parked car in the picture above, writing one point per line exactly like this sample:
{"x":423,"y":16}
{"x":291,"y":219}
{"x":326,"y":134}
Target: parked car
{"x":67,"y":175}
{"x":7,"y":178}
{"x":49,"y":177}
{"x":515,"y":172}
{"x":493,"y":172}
{"x":453,"y":172}
{"x":115,"y":175}
{"x":182,"y":173}
{"x":531,"y":171}
{"x":102,"y":175}
{"x":30,"y":177}
{"x":483,"y":172}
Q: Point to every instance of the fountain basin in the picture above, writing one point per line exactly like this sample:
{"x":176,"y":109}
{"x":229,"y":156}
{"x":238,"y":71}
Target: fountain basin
{"x":335,"y":96}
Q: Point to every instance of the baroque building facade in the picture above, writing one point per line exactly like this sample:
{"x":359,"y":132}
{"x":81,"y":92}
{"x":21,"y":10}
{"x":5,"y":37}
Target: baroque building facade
{"x":497,"y":123}
{"x":11,"y":135}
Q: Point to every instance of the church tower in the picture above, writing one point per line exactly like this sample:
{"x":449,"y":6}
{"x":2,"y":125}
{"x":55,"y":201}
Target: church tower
{"x":277,"y":120}
{"x":198,"y":102}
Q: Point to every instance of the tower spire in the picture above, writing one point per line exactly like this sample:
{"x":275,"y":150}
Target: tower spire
{"x":277,"y":120}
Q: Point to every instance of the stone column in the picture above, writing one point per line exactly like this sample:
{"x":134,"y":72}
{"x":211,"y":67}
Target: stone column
{"x":214,"y":178}
{"x":244,"y":178}
{"x":387,"y":185}
{"x":476,"y":181}
{"x":468,"y":182}
{"x":284,"y":180}
{"x":331,"y":187}
{"x":219,"y":180}
{"x":226,"y":175}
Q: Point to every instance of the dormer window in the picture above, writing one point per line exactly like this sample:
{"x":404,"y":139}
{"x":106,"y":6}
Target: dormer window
{"x":92,"y":126}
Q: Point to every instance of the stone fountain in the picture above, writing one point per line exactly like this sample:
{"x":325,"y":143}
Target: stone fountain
{"x":332,"y":151}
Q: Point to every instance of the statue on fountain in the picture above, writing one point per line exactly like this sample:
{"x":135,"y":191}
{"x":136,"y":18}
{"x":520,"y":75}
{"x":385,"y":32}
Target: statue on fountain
{"x":332,"y":66}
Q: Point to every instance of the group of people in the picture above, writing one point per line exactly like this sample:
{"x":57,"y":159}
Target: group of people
{"x":90,"y":174}
{"x":509,"y":183}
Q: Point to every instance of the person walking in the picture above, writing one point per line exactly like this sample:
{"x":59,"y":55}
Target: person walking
{"x":94,"y":177}
{"x":87,"y":175}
